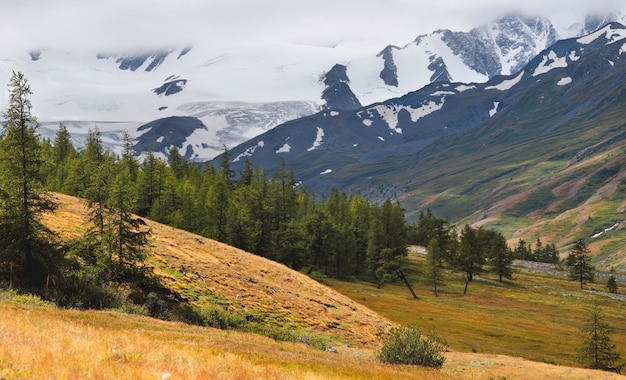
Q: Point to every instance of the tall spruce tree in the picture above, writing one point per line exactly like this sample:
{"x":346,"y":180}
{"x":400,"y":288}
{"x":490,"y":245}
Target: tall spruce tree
{"x":62,"y":152}
{"x":25,"y":241}
{"x":597,"y":351}
{"x":433,"y":258}
{"x":579,"y":263}
{"x":126,"y":240}
{"x":500,"y":256}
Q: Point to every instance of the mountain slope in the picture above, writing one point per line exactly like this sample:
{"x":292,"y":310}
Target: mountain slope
{"x":462,"y":148}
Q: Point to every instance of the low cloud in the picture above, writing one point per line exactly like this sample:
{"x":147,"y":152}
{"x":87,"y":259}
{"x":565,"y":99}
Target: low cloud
{"x":130,"y":24}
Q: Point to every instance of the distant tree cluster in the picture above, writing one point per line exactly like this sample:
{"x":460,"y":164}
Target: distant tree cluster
{"x":342,"y":236}
{"x":541,"y":253}
{"x":472,"y":251}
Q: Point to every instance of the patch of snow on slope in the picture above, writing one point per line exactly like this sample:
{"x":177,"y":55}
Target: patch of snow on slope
{"x":605,"y":230}
{"x":367,"y":122}
{"x":327,"y":171}
{"x":390,"y":114}
{"x":465,"y":87}
{"x":622,"y":50}
{"x":381,"y":138}
{"x":284,"y":149}
{"x":200,"y":141}
{"x":334,"y":113}
{"x":250,"y":151}
{"x":573,"y":56}
{"x":507,"y":84}
{"x":494,"y":109}
{"x":318,"y":140}
{"x":441,"y":93}
{"x":550,"y":62}
{"x":609,"y":33}
{"x":426,"y":109}
{"x":564,"y":81}
{"x":429,"y":47}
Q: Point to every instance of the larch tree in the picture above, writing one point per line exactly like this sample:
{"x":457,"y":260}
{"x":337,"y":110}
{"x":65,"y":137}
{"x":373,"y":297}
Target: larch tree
{"x":26,"y":242}
{"x":433,"y":258}
{"x":579,"y":263}
{"x":597,"y":351}
{"x":500,"y":257}
{"x":127,"y":241}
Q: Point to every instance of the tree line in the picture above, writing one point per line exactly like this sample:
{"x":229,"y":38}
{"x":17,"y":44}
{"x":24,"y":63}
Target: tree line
{"x":340,"y":235}
{"x":273,"y":216}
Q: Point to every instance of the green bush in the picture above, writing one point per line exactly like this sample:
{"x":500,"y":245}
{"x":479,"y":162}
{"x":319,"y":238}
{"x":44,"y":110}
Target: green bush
{"x":407,"y":345}
{"x":24,"y":298}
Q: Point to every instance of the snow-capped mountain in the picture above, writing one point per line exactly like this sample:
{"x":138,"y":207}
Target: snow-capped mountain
{"x":238,"y":92}
{"x":350,"y":149}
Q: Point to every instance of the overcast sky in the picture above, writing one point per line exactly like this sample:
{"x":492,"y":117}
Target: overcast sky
{"x":123,"y":24}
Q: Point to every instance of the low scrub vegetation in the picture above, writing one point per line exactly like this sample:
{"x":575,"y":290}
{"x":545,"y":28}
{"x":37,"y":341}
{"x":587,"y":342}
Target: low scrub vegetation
{"x":407,"y":345}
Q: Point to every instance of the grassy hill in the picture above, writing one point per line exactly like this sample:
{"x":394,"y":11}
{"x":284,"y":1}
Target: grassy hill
{"x":264,"y":291}
{"x":41,"y":341}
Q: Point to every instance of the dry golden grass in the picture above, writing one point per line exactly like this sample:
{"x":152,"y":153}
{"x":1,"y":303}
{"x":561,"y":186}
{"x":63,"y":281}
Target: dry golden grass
{"x":242,"y":281}
{"x":47,"y":343}
{"x":44,"y":342}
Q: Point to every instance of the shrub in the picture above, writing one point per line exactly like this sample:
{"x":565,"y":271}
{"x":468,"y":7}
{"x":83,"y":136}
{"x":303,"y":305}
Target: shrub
{"x":407,"y":345}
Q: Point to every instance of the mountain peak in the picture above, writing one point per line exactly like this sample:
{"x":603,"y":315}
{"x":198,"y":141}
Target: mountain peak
{"x":338,"y":95}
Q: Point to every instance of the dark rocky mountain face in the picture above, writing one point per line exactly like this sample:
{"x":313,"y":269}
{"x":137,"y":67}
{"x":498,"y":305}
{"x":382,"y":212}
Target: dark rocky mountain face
{"x":135,"y":61}
{"x":173,"y":85}
{"x":337,"y":94}
{"x":389,"y":73}
{"x":160,"y":135}
{"x":380,"y":150}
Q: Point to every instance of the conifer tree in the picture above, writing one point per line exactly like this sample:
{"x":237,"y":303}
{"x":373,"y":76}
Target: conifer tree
{"x":611,"y":284}
{"x":126,"y":242}
{"x":128,"y":157}
{"x":433,"y":258}
{"x":387,"y":245}
{"x":597,"y":351}
{"x":62,"y":152}
{"x":177,"y":162}
{"x":25,"y":241}
{"x":579,"y":263}
{"x":500,"y":257}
